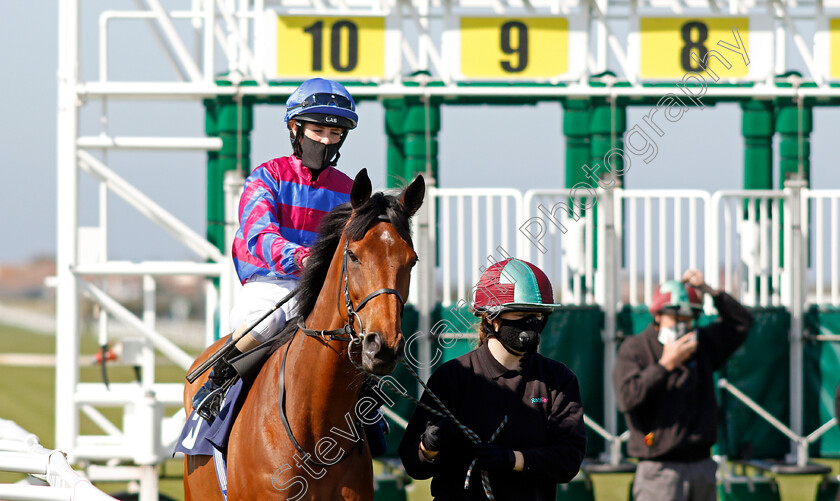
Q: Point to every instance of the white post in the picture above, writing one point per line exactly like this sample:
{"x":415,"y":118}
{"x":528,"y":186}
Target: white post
{"x":610,"y":294}
{"x":67,"y":299}
{"x":149,"y":318}
{"x":426,"y":288}
{"x":798,"y":279}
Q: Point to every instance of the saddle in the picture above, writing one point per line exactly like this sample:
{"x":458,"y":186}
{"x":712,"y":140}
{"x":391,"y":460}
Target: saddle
{"x":199,"y":438}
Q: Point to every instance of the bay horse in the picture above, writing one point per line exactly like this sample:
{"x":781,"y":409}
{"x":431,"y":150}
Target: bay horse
{"x":363,"y":258}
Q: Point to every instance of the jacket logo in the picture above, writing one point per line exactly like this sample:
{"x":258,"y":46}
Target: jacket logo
{"x":537,"y":400}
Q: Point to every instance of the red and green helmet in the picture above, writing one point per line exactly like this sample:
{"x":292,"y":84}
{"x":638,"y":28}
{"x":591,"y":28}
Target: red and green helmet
{"x":675,"y":297}
{"x":513,"y":285}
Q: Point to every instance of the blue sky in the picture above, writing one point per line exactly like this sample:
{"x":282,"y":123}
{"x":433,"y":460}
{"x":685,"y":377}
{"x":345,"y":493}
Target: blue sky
{"x":480,"y":146}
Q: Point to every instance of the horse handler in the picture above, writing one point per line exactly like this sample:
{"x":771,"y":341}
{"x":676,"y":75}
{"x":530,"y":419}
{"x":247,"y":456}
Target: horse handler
{"x":542,"y":441}
{"x":664,"y":385}
{"x":282,"y":204}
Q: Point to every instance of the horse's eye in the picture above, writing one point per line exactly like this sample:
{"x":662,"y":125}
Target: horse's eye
{"x":352,"y":256}
{"x":414,"y":263}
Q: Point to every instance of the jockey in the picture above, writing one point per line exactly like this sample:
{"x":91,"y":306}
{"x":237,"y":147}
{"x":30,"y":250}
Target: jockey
{"x":281,"y":206}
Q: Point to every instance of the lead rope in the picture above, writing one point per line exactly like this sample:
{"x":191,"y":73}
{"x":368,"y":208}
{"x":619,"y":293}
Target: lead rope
{"x":474,"y":438}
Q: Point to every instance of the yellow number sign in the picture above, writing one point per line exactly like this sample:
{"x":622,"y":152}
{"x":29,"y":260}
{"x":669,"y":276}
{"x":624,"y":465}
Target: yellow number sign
{"x":331,"y":46}
{"x":535,"y":47}
{"x":668,"y":42}
{"x":834,"y":40}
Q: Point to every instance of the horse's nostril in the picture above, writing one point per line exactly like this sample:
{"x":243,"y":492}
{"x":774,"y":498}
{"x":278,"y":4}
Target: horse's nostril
{"x":371,"y":343}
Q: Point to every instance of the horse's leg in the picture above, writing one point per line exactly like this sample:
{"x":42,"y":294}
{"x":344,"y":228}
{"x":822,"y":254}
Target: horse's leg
{"x":200,"y":482}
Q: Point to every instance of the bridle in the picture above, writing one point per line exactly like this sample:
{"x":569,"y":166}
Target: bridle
{"x":346,"y":333}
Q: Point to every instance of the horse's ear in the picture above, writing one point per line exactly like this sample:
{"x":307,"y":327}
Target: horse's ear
{"x":412,"y":195}
{"x":360,"y":193}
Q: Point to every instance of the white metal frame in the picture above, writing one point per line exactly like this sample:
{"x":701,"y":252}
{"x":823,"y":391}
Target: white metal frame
{"x":574,"y":267}
{"x":416,"y":27}
{"x":21,"y":452}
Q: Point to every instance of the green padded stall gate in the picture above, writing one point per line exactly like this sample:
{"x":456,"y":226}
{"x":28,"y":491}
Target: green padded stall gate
{"x":573,"y":336}
{"x":579,"y":489}
{"x":827,"y":490}
{"x":760,"y":368}
{"x":822,"y":375}
{"x":749,"y":489}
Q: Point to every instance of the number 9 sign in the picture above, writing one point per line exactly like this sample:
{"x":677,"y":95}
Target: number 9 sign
{"x":513,"y":48}
{"x":339,"y":47}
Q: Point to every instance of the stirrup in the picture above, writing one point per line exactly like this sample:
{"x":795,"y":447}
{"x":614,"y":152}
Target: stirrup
{"x":210,"y":406}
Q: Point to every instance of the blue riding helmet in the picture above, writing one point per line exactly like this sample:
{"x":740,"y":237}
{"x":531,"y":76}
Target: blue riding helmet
{"x":324,"y":102}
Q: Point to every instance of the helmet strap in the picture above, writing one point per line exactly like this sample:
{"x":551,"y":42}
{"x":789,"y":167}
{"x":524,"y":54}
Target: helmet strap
{"x":295,"y":136}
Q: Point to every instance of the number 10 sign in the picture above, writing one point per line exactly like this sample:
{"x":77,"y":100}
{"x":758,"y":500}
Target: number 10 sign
{"x":350,"y":47}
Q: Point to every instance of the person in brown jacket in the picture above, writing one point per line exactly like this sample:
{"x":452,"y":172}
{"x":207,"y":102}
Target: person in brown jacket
{"x":664,"y":386}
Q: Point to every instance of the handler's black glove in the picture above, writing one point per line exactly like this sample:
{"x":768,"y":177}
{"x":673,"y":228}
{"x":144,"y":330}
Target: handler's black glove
{"x":439,"y":433}
{"x":494,"y":457}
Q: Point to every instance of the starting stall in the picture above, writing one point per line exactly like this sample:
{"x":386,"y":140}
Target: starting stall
{"x":605,"y":245}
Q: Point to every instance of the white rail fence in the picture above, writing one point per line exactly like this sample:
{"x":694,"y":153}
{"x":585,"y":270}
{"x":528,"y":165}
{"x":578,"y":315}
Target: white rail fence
{"x":561,"y":220}
{"x":664,"y":233}
{"x":21,"y":452}
{"x":750,"y":234}
{"x":823,"y":209}
{"x":475,"y":228}
{"x":739,"y":239}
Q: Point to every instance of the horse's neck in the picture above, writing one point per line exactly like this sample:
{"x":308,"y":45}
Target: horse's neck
{"x":320,"y":378}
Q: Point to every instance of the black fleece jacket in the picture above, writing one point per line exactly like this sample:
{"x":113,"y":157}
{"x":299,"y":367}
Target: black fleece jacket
{"x":673,"y":416}
{"x":545,"y":422}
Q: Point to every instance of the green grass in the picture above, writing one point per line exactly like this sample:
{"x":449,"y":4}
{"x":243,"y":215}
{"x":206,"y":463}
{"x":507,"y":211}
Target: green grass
{"x":27,"y":396}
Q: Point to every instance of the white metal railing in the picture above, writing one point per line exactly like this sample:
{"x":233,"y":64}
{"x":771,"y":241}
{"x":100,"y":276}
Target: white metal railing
{"x":671,"y":224}
{"x":476,"y":227}
{"x":747,"y":229}
{"x":561,"y":220}
{"x":21,"y":452}
{"x":822,"y":207}
{"x":737,"y":237}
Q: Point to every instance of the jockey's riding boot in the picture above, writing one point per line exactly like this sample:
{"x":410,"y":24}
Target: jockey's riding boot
{"x":207,"y":401}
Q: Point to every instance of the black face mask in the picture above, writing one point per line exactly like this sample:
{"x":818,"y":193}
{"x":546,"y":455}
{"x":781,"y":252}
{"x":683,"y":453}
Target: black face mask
{"x":522,"y":335}
{"x":316,"y":155}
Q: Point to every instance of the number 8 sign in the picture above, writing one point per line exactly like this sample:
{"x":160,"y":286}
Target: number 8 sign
{"x":670,"y":47}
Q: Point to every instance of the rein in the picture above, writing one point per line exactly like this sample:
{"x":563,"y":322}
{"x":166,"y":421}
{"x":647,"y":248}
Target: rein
{"x":446,"y":413}
{"x":348,"y":334}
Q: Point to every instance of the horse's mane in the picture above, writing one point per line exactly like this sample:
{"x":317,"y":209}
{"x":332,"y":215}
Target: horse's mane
{"x":342,"y":220}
